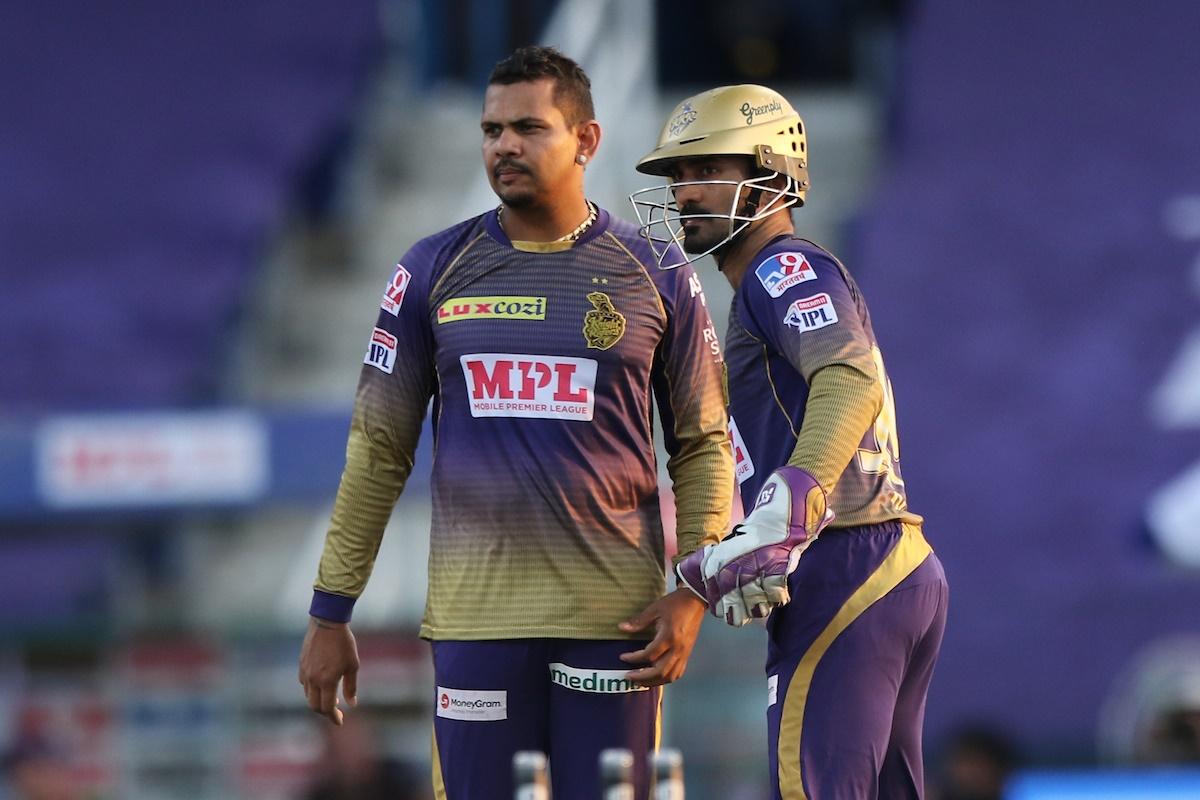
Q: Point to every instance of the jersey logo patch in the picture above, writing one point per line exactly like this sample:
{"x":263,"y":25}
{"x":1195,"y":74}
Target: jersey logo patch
{"x":597,"y":681}
{"x":381,"y":353}
{"x":603,"y":326}
{"x":393,"y":295}
{"x":811,"y":313}
{"x":472,"y":706}
{"x":782,"y":271}
{"x":505,"y":307}
{"x":743,"y":467}
{"x":517,"y":385}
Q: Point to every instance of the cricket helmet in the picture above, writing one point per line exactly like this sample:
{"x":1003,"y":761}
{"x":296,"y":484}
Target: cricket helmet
{"x":744,"y":120}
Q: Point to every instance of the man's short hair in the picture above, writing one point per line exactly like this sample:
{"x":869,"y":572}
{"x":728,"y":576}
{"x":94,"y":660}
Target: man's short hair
{"x":572,"y":89}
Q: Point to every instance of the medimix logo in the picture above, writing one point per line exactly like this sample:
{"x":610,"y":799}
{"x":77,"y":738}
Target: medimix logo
{"x":472,"y":706}
{"x":600,"y":681}
{"x":516,"y":385}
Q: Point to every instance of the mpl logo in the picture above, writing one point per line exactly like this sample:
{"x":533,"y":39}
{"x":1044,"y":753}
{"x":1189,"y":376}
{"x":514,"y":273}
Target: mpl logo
{"x":393,"y":295}
{"x":522,"y":385}
{"x":381,"y":352}
{"x":811,"y":313}
{"x":782,"y":271}
{"x":743,"y":467}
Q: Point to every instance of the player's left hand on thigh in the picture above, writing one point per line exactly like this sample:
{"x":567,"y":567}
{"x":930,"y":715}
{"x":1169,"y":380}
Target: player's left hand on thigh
{"x":675,"y":620}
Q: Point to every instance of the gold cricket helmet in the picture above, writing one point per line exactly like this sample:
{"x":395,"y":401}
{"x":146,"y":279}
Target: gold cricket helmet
{"x":735,"y":120}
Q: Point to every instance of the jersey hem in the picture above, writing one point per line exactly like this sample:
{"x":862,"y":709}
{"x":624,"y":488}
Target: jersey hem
{"x":484,"y":634}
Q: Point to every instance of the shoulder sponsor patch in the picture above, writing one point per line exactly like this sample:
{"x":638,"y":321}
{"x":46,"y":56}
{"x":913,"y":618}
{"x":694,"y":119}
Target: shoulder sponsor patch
{"x":522,"y":385}
{"x":743,"y":467}
{"x":597,"y":681}
{"x":782,"y":271}
{"x":472,"y":706}
{"x":811,"y":313}
{"x":381,"y":352}
{"x":772,"y":690}
{"x":393,"y":295}
{"x":506,"y":307}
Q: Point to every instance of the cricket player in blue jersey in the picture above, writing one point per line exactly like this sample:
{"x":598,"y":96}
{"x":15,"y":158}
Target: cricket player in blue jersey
{"x":543,"y":337}
{"x":829,"y":552}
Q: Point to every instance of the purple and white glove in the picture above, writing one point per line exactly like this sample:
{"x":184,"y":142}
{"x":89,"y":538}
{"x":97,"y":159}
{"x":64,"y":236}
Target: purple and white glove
{"x":744,"y":576}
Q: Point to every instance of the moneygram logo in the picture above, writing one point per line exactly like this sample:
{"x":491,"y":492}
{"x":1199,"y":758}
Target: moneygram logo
{"x":598,"y":681}
{"x":472,"y":706}
{"x":517,"y":385}
{"x":491,"y":308}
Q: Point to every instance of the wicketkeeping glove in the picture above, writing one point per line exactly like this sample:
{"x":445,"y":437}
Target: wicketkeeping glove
{"x":744,"y":576}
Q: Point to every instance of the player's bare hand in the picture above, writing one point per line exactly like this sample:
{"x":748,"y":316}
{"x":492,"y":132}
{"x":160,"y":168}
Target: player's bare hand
{"x":329,"y":656}
{"x":675,"y":620}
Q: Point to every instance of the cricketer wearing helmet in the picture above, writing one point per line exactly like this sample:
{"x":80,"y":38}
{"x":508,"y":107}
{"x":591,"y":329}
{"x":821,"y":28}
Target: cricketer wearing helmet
{"x":544,"y":337}
{"x":829,"y":553}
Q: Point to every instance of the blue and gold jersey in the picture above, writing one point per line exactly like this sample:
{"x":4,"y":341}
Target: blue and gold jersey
{"x":797,"y":311}
{"x":541,"y":367}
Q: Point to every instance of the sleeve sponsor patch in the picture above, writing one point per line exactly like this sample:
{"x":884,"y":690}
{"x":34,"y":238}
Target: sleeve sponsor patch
{"x":782,"y":271}
{"x":393,"y":295}
{"x":381,"y":353}
{"x":743,"y":467}
{"x":811,"y":313}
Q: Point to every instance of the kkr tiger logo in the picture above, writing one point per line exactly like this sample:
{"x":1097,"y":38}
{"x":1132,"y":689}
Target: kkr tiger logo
{"x":604,"y":325}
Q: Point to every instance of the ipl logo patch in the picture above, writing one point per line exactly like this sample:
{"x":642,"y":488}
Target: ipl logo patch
{"x":381,"y":352}
{"x":603,"y":326}
{"x":811,"y":313}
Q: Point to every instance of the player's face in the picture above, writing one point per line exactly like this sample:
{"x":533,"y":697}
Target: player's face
{"x":701,"y":234}
{"x":528,"y":148}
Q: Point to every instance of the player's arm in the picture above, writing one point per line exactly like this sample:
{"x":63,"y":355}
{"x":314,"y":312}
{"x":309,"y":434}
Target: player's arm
{"x":745,"y":576}
{"x":389,"y":408}
{"x":688,"y":387}
{"x":689,"y":378}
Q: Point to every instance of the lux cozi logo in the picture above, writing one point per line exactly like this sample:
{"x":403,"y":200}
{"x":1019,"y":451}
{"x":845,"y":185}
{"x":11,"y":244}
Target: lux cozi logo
{"x":522,"y":385}
{"x":508,"y":307}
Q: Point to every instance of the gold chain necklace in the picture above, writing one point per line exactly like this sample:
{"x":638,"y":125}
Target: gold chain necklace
{"x":570,"y":237}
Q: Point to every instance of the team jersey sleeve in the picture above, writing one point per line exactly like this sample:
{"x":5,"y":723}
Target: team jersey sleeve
{"x":688,"y":385}
{"x":803,"y":307}
{"x":394,"y":388}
